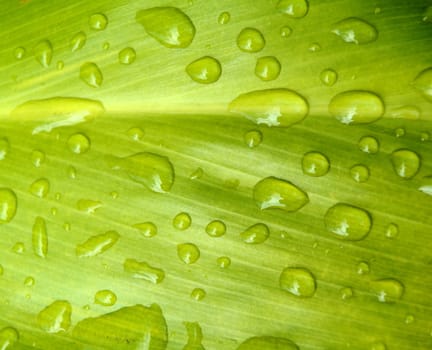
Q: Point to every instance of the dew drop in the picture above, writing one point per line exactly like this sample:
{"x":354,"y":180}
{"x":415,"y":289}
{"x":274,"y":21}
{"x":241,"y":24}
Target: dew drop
{"x":378,"y":346}
{"x":144,"y":271}
{"x":135,"y":133}
{"x":315,"y":164}
{"x":97,"y":244}
{"x":297,"y":281}
{"x":409,"y":319}
{"x":198,"y":294}
{"x":387,"y":290}
{"x":346,"y":293}
{"x":424,"y":136}
{"x":253,"y":138}
{"x":182,"y":221}
{"x":40,"y":237}
{"x":215,"y":228}
{"x":399,"y":132}
{"x":106,"y":45}
{"x":255,"y":234}
{"x":426,"y":185}
{"x":127,"y":56}
{"x":267,"y":68}
{"x":204,"y":70}
{"x":250,"y":40}
{"x":272,"y":192}
{"x":60,"y":65}
{"x":91,"y":74}
{"x":19,"y":54}
{"x":105,"y":297}
{"x":293,"y":8}
{"x":56,"y":317}
{"x":8,"y":338}
{"x":348,"y":222}
{"x":328,"y":77}
{"x":406,"y":163}
{"x":29,"y":281}
{"x":392,"y":230}
{"x":78,"y":41}
{"x":88,"y":205}
{"x":78,"y":143}
{"x":4,"y":147}
{"x":147,"y":229}
{"x":359,"y":173}
{"x":427,"y":14}
{"x":285,"y":31}
{"x":223,"y":262}
{"x":314,"y":47}
{"x":363,"y":268}
{"x":18,"y":248}
{"x":98,"y":21}
{"x":40,"y":188}
{"x":368,"y":144}
{"x":423,"y":83}
{"x":406,"y":112}
{"x":356,"y":107}
{"x":272,"y":107}
{"x":195,"y":336}
{"x":188,"y":253}
{"x":224,"y":17}
{"x":43,"y":53}
{"x":72,"y":173}
{"x":196,"y":174}
{"x":170,"y":26}
{"x":355,"y":30}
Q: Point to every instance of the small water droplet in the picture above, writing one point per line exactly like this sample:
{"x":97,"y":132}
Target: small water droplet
{"x":399,"y":132}
{"x":78,"y":41}
{"x":40,"y":237}
{"x":293,"y":8}
{"x":29,"y":281}
{"x":67,"y":226}
{"x":40,"y":188}
{"x":8,"y":338}
{"x":298,"y":281}
{"x":267,"y":68}
{"x":328,"y":77}
{"x":406,"y":112}
{"x":427,"y":14}
{"x":43,"y":52}
{"x":363,"y":268}
{"x":215,"y":228}
{"x":88,"y":205}
{"x":378,"y":346}
{"x":224,"y":17}
{"x":195,"y":336}
{"x":359,"y":173}
{"x":253,"y":138}
{"x":105,"y":297}
{"x":250,"y":40}
{"x":188,"y":253}
{"x":135,"y":133}
{"x":387,"y":290}
{"x":346,"y":293}
{"x":97,"y":244}
{"x":255,"y":234}
{"x":315,"y":164}
{"x":368,"y":144}
{"x":98,"y":21}
{"x":78,"y":143}
{"x":19,"y":53}
{"x":406,"y":163}
{"x":314,"y":47}
{"x":8,"y":205}
{"x":355,"y":30}
{"x":409,"y":319}
{"x":56,"y":317}
{"x":198,"y":294}
{"x":196,"y":174}
{"x":127,"y":56}
{"x":425,"y":136}
{"x":223,"y":262}
{"x":60,"y":65}
{"x":272,"y":107}
{"x":267,"y":343}
{"x":144,"y":271}
{"x":392,"y":230}
{"x":4,"y":147}
{"x":423,"y":83}
{"x":182,"y":221}
{"x":18,"y":248}
{"x":147,"y":229}
{"x":72,"y":173}
{"x":272,"y":192}
{"x":356,"y":107}
{"x":285,"y":31}
{"x":91,"y":74}
{"x":204,"y":70}
{"x":348,"y":222}
{"x":170,"y":26}
{"x":106,"y":45}
{"x":426,"y":185}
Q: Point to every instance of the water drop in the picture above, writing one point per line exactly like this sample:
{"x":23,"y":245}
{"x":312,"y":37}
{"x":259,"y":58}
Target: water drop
{"x":392,"y":230}
{"x":293,"y":8}
{"x":255,"y":234}
{"x":272,"y":107}
{"x":348,"y":222}
{"x":387,"y":290}
{"x":298,"y":281}
{"x":409,"y":319}
{"x":328,"y":77}
{"x":182,"y":221}
{"x":356,"y":107}
{"x":135,"y":133}
{"x":78,"y":41}
{"x":127,"y":56}
{"x":18,"y":247}
{"x":142,"y":270}
{"x":147,"y":229}
{"x":40,"y":237}
{"x":72,"y":173}
{"x":359,"y":173}
{"x":4,"y":147}
{"x":204,"y":70}
{"x":98,"y":21}
{"x":368,"y":144}
{"x":131,"y":327}
{"x":196,"y":174}
{"x":60,"y":65}
{"x":170,"y":26}
{"x":56,"y":317}
{"x":8,"y":338}
{"x":105,"y":297}
{"x":315,"y":164}
{"x":363,"y":268}
{"x":253,"y":138}
{"x":399,"y":132}
{"x":250,"y":40}
{"x":40,"y":188}
{"x":195,"y":336}
{"x":78,"y":143}
{"x":91,"y":74}
{"x":423,"y":83}
{"x":272,"y":192}
{"x":19,"y":54}
{"x":355,"y":30}
{"x":97,"y":244}
{"x":29,"y":281}
{"x":43,"y":53}
{"x":314,"y":47}
{"x":106,"y":45}
{"x":198,"y":294}
{"x":378,"y":346}
{"x":267,"y":68}
{"x":8,"y":205}
{"x":406,"y":163}
{"x":152,"y":170}
{"x":88,"y":205}
{"x":406,"y":112}
{"x":223,"y":262}
{"x":346,"y":293}
{"x":427,"y":14}
{"x":426,"y":185}
{"x":215,"y":228}
{"x":424,"y":136}
{"x":224,"y":17}
{"x":188,"y":253}
{"x":285,"y":31}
